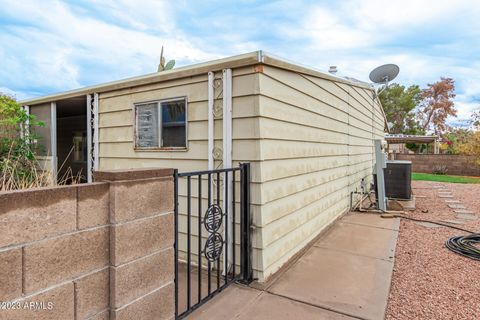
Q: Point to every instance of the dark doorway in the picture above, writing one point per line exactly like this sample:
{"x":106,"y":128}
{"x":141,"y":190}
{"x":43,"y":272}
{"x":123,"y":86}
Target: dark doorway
{"x":72,"y":139}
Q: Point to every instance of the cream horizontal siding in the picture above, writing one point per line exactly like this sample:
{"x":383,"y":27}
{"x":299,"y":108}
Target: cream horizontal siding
{"x":316,"y":147}
{"x":243,"y":128}
{"x":281,"y":227}
{"x":285,"y":130}
{"x":283,"y":168}
{"x":282,"y":149}
{"x":285,"y":93}
{"x":309,"y":141}
{"x":117,"y":149}
{"x":294,"y":201}
{"x":117,"y":131}
{"x":281,"y":251}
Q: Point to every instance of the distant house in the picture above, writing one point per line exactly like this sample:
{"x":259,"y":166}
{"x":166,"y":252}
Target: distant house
{"x":307,"y":134}
{"x":397,"y":143}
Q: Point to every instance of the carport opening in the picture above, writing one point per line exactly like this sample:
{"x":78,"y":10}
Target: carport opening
{"x":72,"y":139}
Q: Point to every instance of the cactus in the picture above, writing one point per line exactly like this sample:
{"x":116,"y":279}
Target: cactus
{"x":162,"y":66}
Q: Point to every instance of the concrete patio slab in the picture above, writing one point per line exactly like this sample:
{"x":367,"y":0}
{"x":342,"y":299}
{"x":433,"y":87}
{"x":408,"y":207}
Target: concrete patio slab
{"x":351,"y":284}
{"x":454,"y":221}
{"x":372,"y":220}
{"x":182,"y":285}
{"x":428,"y":224}
{"x":269,"y":306}
{"x":346,"y":274}
{"x":463,"y":211}
{"x":360,"y":239}
{"x":457,"y":206}
{"x":245,"y":303}
{"x":229,"y":304}
{"x":401,"y":204}
{"x":467,"y":216}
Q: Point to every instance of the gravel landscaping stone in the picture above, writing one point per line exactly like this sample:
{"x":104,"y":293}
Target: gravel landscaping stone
{"x":429,"y":281}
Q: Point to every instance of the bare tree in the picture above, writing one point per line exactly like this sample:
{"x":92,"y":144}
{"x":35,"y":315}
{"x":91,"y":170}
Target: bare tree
{"x":476,"y":118}
{"x":437,"y":105}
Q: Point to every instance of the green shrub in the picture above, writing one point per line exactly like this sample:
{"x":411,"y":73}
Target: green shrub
{"x":18,"y":165}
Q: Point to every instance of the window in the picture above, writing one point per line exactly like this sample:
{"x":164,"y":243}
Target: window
{"x":161,"y":124}
{"x":79,"y":147}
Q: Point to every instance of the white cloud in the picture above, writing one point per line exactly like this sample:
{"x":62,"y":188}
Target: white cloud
{"x":153,"y":15}
{"x":427,"y":39}
{"x":54,"y":46}
{"x":51,"y":51}
{"x":328,"y":31}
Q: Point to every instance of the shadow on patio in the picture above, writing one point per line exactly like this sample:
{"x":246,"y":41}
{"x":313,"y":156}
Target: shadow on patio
{"x":345,"y":274}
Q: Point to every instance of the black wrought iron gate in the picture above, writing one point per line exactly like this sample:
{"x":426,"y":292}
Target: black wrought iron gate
{"x":212,"y":234}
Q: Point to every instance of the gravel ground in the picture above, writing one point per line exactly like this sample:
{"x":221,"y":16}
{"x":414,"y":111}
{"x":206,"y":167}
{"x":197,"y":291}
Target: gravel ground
{"x":429,"y":281}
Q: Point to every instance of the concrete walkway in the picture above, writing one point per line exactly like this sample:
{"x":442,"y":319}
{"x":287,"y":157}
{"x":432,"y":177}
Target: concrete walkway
{"x":345,"y":275}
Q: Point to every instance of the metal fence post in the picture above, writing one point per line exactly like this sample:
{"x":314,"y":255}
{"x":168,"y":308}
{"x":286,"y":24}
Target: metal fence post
{"x":246,"y":248}
{"x":175,"y":204}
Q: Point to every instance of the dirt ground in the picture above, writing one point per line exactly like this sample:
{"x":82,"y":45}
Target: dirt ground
{"x":429,"y":281}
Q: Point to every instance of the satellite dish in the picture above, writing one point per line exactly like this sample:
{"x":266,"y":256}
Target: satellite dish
{"x":384,"y":74}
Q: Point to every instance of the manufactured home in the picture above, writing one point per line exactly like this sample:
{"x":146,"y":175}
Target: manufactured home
{"x":307,"y":135}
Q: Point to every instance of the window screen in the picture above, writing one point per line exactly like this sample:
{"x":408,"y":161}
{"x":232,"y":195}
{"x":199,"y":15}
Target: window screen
{"x":161,"y":124}
{"x":173,"y":124}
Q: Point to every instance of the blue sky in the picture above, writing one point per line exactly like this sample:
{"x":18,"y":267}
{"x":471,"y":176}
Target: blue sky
{"x":51,"y":46}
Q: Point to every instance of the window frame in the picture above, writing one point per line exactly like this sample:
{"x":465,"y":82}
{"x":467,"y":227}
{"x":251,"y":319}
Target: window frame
{"x":159,"y":106}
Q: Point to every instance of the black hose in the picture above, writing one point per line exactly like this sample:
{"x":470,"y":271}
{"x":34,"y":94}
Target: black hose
{"x":429,"y":221}
{"x":465,"y":245}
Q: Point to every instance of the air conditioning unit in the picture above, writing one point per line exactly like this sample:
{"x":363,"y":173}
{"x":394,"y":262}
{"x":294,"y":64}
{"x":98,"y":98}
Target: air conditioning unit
{"x":398,"y":179}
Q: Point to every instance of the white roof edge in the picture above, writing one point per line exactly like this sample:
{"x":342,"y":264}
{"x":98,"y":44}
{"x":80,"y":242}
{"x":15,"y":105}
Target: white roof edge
{"x":246,"y":59}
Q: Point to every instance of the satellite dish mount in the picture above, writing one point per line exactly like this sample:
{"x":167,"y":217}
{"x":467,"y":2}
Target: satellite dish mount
{"x":383,"y":75}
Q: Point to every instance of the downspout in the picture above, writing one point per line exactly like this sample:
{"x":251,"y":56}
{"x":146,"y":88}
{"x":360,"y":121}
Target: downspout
{"x":53,"y":140}
{"x":227,"y":118}
{"x":96,"y":145}
{"x":227,"y":161}
{"x":211,"y":122}
{"x":92,"y":135}
{"x":89,"y":138}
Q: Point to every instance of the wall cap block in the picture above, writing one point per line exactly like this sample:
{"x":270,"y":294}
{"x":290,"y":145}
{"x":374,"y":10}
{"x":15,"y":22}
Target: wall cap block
{"x":132,"y":174}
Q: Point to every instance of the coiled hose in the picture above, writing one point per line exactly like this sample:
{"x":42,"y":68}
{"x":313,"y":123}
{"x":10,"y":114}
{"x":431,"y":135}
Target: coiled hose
{"x":465,"y":245}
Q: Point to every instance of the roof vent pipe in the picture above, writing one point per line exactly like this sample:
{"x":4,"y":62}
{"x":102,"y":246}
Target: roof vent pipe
{"x":333,"y":69}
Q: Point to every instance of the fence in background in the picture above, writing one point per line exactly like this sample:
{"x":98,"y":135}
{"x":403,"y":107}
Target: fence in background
{"x":454,"y":164}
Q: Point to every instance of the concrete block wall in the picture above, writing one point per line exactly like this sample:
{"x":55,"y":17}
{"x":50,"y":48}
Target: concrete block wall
{"x":93,"y":251}
{"x":460,"y":165}
{"x":141,"y":237}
